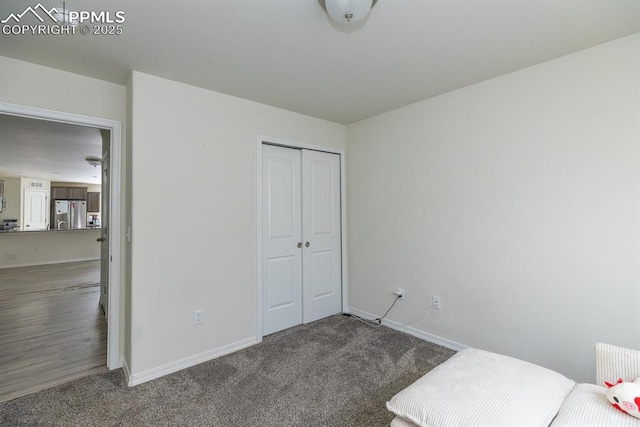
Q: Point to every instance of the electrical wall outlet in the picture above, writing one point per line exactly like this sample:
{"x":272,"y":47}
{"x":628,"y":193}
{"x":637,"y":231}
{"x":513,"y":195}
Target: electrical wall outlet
{"x":197,"y":317}
{"x":400,"y":293}
{"x":435,"y":303}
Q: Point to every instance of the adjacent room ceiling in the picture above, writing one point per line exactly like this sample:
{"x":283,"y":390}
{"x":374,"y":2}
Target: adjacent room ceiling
{"x":289,"y":54}
{"x":49,"y":150}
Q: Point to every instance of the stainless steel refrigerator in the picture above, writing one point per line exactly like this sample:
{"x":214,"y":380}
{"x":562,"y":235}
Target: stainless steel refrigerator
{"x":69,"y":215}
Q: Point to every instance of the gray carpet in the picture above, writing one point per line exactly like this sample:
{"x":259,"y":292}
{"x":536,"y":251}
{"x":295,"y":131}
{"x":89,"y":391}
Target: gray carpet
{"x":334,"y":372}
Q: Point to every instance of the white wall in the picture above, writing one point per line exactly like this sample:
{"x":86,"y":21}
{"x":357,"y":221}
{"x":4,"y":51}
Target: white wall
{"x":19,"y":249}
{"x":516,"y":201}
{"x":194,"y":162}
{"x":31,"y":85}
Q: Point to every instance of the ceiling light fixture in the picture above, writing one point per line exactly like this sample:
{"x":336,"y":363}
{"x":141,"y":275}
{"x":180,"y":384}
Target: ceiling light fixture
{"x":348,"y":11}
{"x":62,"y":16}
{"x":94,"y":161}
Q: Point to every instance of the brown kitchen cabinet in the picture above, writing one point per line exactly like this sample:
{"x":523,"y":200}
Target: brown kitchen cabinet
{"x":93,"y":202}
{"x":68,"y":193}
{"x":59,"y":193}
{"x":78,"y":193}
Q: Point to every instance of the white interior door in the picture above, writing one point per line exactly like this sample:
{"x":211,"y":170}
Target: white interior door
{"x":35,"y":210}
{"x":281,"y":239}
{"x":321,"y":231}
{"x":104,"y":237}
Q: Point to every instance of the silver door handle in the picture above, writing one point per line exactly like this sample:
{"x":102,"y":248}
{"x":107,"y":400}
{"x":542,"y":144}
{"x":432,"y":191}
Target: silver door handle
{"x":299,"y":245}
{"x":307,"y":244}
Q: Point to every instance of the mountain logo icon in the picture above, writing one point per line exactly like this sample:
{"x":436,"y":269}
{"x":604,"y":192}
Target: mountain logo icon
{"x":34,"y":11}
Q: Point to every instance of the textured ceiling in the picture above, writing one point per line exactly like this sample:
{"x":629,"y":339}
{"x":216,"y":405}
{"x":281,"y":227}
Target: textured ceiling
{"x":48,"y":150}
{"x":287,"y":53}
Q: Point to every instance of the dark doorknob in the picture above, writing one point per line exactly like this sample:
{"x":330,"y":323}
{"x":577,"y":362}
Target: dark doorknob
{"x":100,"y":239}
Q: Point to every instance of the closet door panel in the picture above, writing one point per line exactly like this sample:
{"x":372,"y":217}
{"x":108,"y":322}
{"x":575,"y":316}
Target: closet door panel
{"x":321,"y":232}
{"x":281,"y":256}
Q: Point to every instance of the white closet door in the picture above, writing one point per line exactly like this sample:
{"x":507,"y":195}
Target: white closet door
{"x":282,"y":258}
{"x":321,"y":231}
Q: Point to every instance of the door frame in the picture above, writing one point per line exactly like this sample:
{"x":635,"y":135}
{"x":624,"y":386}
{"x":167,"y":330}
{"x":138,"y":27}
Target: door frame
{"x":114,"y":360}
{"x":259,"y":212}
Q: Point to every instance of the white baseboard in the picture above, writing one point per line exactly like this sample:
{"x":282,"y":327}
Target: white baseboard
{"x":411,"y":331}
{"x":169,"y":368}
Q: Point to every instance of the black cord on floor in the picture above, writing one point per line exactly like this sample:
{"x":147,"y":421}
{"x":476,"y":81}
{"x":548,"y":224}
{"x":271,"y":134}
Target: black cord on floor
{"x":388,"y":310}
{"x":378,"y":320}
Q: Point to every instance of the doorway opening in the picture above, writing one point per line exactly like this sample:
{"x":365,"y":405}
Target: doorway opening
{"x":72,"y":274}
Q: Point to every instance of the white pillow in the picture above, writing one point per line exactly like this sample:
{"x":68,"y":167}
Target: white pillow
{"x":587,"y":406}
{"x":480,"y":388}
{"x":399,"y":422}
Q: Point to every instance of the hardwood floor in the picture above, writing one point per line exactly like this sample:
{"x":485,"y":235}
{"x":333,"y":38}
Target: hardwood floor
{"x":52,"y":328}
